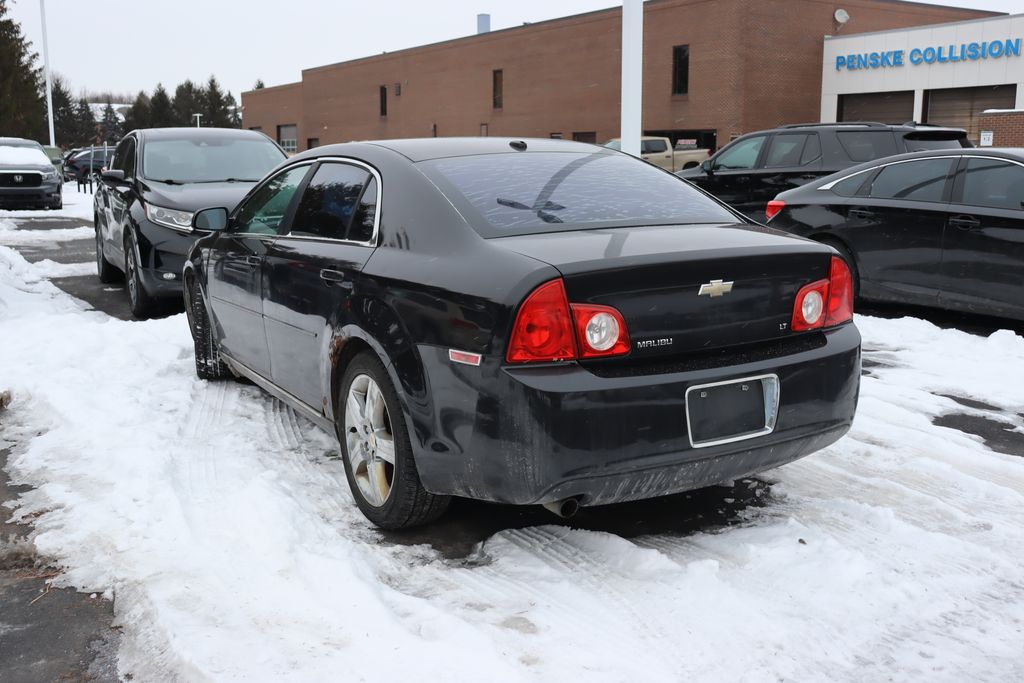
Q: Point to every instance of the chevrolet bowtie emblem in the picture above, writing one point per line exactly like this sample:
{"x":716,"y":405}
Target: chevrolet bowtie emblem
{"x":715,"y":288}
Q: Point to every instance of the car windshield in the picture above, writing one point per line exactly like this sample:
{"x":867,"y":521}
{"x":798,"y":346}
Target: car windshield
{"x":614,"y":144}
{"x":210,"y":160}
{"x":515,"y":194}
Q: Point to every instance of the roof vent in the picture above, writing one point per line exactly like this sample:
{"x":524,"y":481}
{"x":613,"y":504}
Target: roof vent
{"x":483,"y":23}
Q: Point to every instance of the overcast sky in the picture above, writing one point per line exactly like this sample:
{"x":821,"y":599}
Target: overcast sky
{"x":120,"y":46}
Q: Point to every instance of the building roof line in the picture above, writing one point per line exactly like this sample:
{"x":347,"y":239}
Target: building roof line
{"x":928,"y":27}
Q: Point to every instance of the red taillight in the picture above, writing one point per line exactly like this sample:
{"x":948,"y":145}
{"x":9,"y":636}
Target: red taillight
{"x":547,"y":328}
{"x":543,"y":328}
{"x":773,"y":208}
{"x":825,"y":303}
{"x":600,"y":331}
{"x":840,"y":293}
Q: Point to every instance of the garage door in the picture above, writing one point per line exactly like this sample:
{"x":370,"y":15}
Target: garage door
{"x":883,"y":107}
{"x":961,"y":107}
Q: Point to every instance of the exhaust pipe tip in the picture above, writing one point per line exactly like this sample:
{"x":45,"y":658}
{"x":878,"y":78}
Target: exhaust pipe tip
{"x":565,"y":508}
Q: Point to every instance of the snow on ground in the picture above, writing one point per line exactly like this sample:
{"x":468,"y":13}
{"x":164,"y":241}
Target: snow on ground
{"x":222,"y":524}
{"x":76,"y":205}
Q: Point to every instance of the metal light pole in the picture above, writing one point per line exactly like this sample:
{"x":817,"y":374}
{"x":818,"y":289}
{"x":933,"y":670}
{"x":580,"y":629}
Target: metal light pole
{"x":197,"y":117}
{"x":632,"y":75}
{"x":46,"y":69}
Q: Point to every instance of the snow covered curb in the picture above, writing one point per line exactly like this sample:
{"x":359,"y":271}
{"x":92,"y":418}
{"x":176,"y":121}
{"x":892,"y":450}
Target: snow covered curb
{"x":221,"y":523}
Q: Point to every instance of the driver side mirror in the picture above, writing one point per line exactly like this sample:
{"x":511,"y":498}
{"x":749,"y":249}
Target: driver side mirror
{"x":708,"y":166}
{"x":211,"y":220}
{"x":112,"y":178}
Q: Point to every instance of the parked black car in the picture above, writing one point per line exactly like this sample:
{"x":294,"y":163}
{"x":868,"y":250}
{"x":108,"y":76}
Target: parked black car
{"x":88,"y":161}
{"x":158,"y":177}
{"x":941,"y":228}
{"x":523,"y":321}
{"x":752,"y":169}
{"x":27,"y":176}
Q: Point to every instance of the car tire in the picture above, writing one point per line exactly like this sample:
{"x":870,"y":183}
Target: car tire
{"x":106,"y":272}
{"x":139,"y":300}
{"x":209,"y":364}
{"x":847,"y":256}
{"x":389,"y":494}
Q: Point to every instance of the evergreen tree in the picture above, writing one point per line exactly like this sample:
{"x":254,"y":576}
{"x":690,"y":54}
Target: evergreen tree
{"x":233,"y":111}
{"x":65,"y":115}
{"x":259,"y":84}
{"x":85,"y":124}
{"x":215,"y":109}
{"x":160,"y":110}
{"x":138,"y":116}
{"x":111,"y":125}
{"x":22,"y":103}
{"x":188,"y":100}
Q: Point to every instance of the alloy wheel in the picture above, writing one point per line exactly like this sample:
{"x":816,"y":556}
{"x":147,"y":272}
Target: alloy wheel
{"x":369,"y":440}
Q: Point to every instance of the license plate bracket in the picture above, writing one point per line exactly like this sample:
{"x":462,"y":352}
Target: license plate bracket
{"x":732,"y":410}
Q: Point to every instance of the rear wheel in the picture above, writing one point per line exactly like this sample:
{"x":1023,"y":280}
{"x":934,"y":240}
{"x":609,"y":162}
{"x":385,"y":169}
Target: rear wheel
{"x":378,"y":457}
{"x":209,"y":364}
{"x":139,"y":300}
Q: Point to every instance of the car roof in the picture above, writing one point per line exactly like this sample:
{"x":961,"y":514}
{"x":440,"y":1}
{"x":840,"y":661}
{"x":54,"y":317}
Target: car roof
{"x":197,"y":134}
{"x":422,"y":149}
{"x":18,"y":142}
{"x":908,"y":127}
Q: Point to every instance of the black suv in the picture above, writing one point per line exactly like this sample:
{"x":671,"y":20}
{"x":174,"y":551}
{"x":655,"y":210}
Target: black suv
{"x":85,"y":162}
{"x":751,"y":170}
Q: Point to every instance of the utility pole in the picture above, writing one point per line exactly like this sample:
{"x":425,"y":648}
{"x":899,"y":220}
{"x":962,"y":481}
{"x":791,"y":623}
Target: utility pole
{"x":197,"y":117}
{"x":46,"y":68}
{"x":632,"y":75}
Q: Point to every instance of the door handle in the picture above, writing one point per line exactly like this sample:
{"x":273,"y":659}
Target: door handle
{"x":254,"y":260}
{"x":861,"y":213}
{"x":965,"y":222}
{"x":332,"y":276}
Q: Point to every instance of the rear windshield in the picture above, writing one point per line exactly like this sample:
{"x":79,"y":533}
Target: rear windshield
{"x":923,"y":143}
{"x":521,"y":193}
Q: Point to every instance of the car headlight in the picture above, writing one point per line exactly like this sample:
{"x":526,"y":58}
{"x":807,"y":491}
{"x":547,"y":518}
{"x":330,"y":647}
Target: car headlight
{"x":49,"y":175}
{"x":171,"y":218}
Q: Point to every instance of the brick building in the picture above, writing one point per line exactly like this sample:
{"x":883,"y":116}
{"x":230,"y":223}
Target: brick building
{"x":713,"y":69}
{"x":1006,"y":127}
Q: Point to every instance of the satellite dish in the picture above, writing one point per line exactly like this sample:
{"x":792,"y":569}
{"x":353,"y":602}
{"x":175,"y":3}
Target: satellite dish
{"x":842,"y":16}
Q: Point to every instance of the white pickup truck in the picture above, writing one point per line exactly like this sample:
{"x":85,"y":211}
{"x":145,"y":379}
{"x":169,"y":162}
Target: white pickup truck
{"x":659,"y":152}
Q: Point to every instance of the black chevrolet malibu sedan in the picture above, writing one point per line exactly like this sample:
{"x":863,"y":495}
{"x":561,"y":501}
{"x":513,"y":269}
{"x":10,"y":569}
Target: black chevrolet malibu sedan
{"x":523,"y":321}
{"x":157,"y":178}
{"x":940,"y":228}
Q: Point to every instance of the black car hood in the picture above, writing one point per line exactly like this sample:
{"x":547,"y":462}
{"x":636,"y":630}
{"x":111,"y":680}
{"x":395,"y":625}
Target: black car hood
{"x":195,"y":196}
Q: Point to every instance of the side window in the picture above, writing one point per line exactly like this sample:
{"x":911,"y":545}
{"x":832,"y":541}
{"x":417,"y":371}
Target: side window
{"x":993,"y":183}
{"x":129,"y":159}
{"x":812,"y":149}
{"x":741,"y":155}
{"x":848,"y":187}
{"x":786,"y":150}
{"x":867,"y":145}
{"x":366,"y":213}
{"x":653,"y":146}
{"x":264,"y":212}
{"x":917,"y":180}
{"x":117,"y":163}
{"x":330,"y":201}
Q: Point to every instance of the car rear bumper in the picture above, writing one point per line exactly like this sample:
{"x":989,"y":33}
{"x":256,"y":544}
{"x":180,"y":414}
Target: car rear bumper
{"x":537,"y":434}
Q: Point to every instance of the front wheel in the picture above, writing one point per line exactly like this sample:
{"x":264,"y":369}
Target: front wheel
{"x":209,"y":364}
{"x":139,"y":300}
{"x":379,"y":464}
{"x":104,"y":270}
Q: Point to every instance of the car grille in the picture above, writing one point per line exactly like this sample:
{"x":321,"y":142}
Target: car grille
{"x":21,"y":179}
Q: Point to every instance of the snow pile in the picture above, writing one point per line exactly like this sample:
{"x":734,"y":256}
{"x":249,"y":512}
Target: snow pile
{"x":24,"y":156}
{"x":221,"y":523}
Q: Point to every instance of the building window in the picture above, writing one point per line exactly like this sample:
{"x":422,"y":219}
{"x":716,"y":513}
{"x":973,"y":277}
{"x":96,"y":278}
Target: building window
{"x":498,"y":86}
{"x":585,"y":136}
{"x":483,"y":130}
{"x":383,"y":100}
{"x":312,"y":142}
{"x":288,"y":137}
{"x":680,"y":69}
